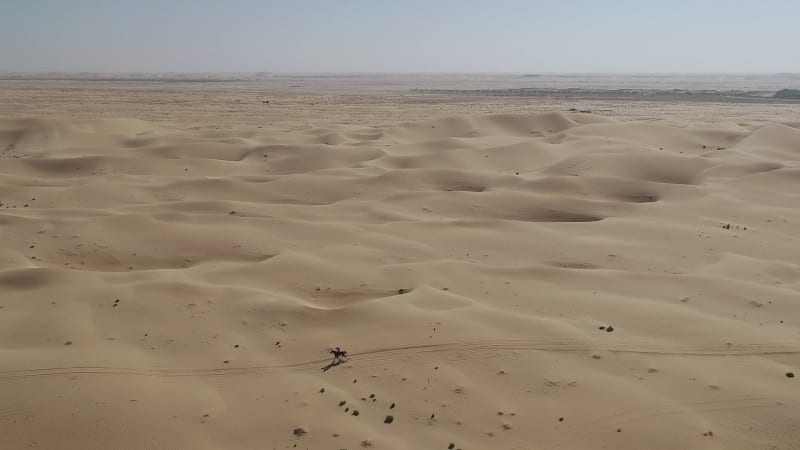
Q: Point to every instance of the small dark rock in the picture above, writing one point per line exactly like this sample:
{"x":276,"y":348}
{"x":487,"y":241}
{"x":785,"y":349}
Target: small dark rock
{"x":388,"y":419}
{"x":560,"y":419}
{"x":609,"y":329}
{"x":355,"y":412}
{"x":391,"y":406}
{"x":300,"y":431}
{"x":451,"y":446}
{"x":68,"y":343}
{"x":789,"y":374}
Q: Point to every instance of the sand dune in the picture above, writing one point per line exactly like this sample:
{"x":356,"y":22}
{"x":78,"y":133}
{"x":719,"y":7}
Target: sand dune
{"x":508,"y":281}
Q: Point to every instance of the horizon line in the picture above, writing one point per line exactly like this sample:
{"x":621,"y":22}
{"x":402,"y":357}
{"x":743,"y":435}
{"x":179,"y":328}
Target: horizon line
{"x":362,"y":72}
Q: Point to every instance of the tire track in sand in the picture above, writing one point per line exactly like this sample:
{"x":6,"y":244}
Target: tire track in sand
{"x":450,"y":351}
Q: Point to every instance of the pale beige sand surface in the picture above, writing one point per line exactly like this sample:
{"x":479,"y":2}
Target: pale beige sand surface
{"x":175,"y":284}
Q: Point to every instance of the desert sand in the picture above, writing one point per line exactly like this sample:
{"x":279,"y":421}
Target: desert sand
{"x":530,"y":278}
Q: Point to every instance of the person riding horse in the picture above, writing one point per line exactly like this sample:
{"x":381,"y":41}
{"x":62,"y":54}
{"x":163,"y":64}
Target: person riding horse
{"x":339,"y":355}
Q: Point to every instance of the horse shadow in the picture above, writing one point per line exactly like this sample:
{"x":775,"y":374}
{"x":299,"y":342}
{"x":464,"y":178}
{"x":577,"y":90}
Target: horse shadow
{"x":332,"y":364}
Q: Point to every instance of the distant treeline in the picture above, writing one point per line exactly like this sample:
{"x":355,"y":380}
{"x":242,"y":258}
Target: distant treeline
{"x":513,"y":92}
{"x":793,"y":94}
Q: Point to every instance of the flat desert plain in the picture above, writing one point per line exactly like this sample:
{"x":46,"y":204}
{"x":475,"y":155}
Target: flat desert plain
{"x":176,"y":263}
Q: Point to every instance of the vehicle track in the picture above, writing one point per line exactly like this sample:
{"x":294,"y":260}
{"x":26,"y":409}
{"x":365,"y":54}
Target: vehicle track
{"x":449,"y":351}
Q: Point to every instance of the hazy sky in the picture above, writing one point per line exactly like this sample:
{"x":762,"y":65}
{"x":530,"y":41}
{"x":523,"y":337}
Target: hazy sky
{"x":401,"y":35}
